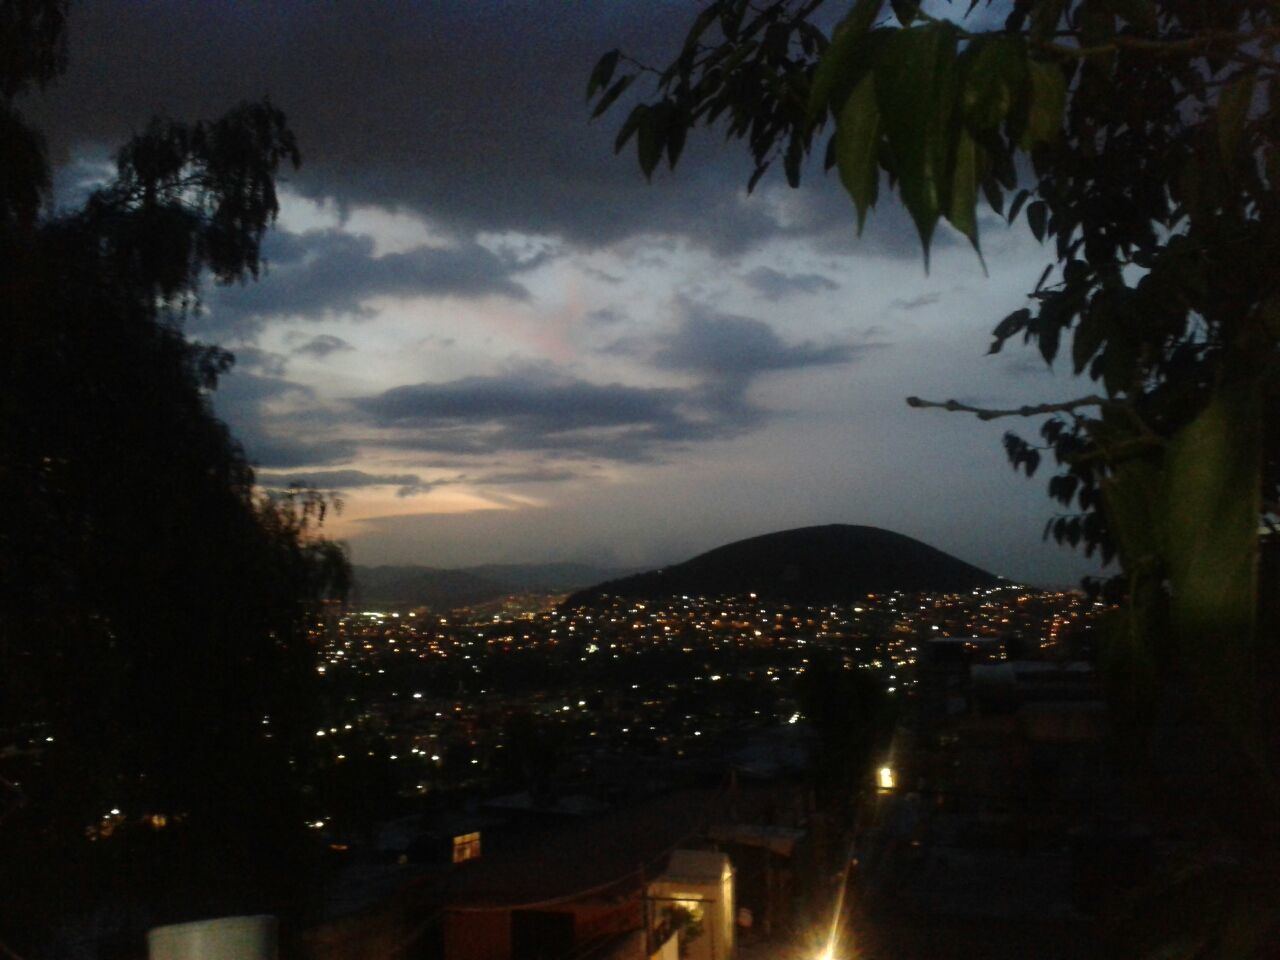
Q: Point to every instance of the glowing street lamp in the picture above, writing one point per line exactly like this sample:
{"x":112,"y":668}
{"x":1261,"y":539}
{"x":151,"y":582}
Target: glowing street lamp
{"x":885,"y":778}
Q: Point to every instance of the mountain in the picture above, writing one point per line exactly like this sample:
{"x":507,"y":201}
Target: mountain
{"x":835,"y":563}
{"x":392,"y":587}
{"x":544,"y":577}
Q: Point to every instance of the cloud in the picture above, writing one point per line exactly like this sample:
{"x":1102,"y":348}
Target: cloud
{"x":537,"y":409}
{"x":468,"y":114}
{"x":520,"y":477}
{"x":774,"y":284}
{"x":605,"y":316}
{"x":280,"y":423}
{"x":738,"y":348}
{"x":322,"y":346}
{"x":915,"y":303}
{"x":331,"y":273}
{"x":544,"y":402}
{"x":542,"y":409}
{"x":1025,"y":366}
{"x":602,"y":275}
{"x":269,"y":449}
{"x":254,"y":360}
{"x":409,"y":483}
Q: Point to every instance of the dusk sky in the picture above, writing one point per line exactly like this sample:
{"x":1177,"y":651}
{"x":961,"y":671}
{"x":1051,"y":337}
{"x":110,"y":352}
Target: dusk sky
{"x":500,"y":344}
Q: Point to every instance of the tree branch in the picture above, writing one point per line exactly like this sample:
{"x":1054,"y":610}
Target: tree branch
{"x":1198,"y":43}
{"x":1035,"y":410}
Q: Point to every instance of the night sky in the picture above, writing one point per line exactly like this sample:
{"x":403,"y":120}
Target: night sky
{"x":499,"y":344}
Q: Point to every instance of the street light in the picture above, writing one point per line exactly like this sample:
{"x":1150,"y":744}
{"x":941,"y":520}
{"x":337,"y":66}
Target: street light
{"x":885,"y":778}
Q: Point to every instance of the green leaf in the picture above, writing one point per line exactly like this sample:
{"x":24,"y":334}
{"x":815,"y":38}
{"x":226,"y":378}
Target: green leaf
{"x":857,"y":142}
{"x":612,"y":94}
{"x":731,"y":14}
{"x":1211,"y":504}
{"x":1047,"y":337}
{"x":652,"y":137}
{"x":1037,"y":214}
{"x":1189,"y":186}
{"x":1091,"y":332}
{"x":915,"y":89}
{"x":1016,"y":207}
{"x":844,"y":60}
{"x":1119,"y":363}
{"x":675,"y":142}
{"x":1127,"y":499}
{"x":1047,"y":88}
{"x":629,"y":126}
{"x":1045,"y":17}
{"x":700,"y":24}
{"x":1006,"y":328}
{"x":1233,"y":112}
{"x":993,"y":71}
{"x":905,"y":10}
{"x":993,"y":194}
{"x":791,"y":161}
{"x":603,"y":72}
{"x":1139,"y":13}
{"x":962,"y":204}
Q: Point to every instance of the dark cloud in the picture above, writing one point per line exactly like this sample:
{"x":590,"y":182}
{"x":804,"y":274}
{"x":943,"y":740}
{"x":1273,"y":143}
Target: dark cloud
{"x":774,"y":284}
{"x":323,"y":345}
{"x":243,"y":389}
{"x":543,"y":402}
{"x":471,"y":114}
{"x":1023,"y":366}
{"x":738,"y":348}
{"x":915,"y":303}
{"x":605,"y":316}
{"x":519,"y":477}
{"x":327,"y":273}
{"x":272,"y":445}
{"x":544,"y":411}
{"x":264,"y":362}
{"x":409,"y":483}
{"x":303,"y":435}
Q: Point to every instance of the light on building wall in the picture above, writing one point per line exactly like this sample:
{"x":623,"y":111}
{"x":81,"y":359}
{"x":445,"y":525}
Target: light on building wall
{"x":884,"y":778}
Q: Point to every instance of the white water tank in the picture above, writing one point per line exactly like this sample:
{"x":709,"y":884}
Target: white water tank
{"x":227,"y":938}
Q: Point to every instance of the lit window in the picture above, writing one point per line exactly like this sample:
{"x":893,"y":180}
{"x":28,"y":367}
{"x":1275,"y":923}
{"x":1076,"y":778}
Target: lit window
{"x":466,"y":846}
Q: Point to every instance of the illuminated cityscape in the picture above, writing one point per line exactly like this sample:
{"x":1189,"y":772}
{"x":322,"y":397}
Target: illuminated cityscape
{"x":670,"y":679}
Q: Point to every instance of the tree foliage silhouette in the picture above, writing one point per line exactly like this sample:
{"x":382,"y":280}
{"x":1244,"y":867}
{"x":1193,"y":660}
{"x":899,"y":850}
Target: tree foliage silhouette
{"x":1139,"y":140}
{"x":154,"y":608}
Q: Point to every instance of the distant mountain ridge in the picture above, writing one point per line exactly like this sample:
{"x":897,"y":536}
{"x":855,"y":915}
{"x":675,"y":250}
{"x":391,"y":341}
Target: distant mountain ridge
{"x":412,"y":585}
{"x":833,"y":563}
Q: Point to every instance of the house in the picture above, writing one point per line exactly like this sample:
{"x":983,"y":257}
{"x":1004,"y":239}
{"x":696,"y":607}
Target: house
{"x":695,"y":897}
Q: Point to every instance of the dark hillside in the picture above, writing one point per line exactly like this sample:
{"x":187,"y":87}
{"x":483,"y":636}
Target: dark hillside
{"x":407,"y":586}
{"x":394,"y":587}
{"x":832,"y":563}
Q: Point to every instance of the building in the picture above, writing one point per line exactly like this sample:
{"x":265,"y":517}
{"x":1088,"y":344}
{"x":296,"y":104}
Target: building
{"x":694,"y":896}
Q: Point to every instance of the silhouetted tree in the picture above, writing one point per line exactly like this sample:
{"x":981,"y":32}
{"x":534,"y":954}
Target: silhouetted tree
{"x":154,"y":608}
